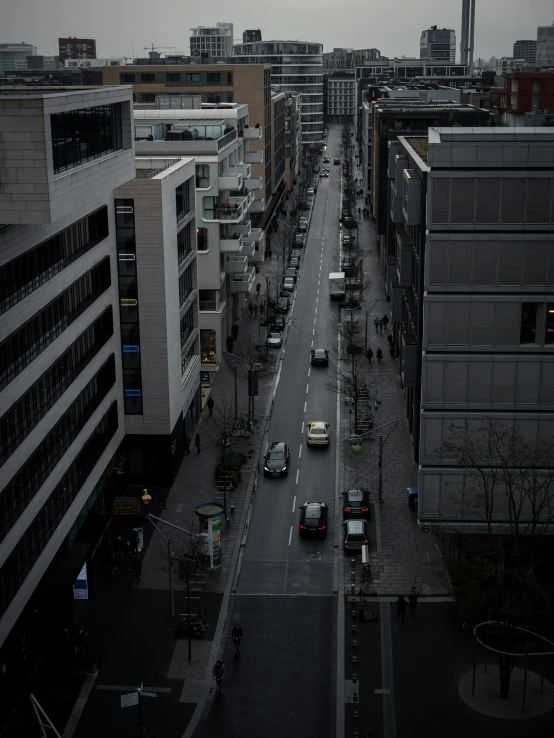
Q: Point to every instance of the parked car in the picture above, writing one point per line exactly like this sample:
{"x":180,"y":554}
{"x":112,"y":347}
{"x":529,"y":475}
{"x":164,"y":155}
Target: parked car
{"x":290,"y":272}
{"x":318,"y":433}
{"x":326,"y":160}
{"x":277,"y":460}
{"x":355,"y":503}
{"x":282,"y":305}
{"x":313,"y":519}
{"x":319,"y":357}
{"x":311,"y":191}
{"x":296,"y":253}
{"x":294,"y":262}
{"x":302,"y":227}
{"x":303,"y":219}
{"x":300,"y":240}
{"x":355,"y":536}
{"x":275,"y":339}
{"x":288,"y":284}
{"x":278,"y":323}
{"x":413,"y":497}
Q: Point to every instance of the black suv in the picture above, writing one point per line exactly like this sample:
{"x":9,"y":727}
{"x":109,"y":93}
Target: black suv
{"x":277,"y":460}
{"x":355,"y":503}
{"x":313,"y":519}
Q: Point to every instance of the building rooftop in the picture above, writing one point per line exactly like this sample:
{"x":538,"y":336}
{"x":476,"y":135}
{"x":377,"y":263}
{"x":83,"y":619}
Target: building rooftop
{"x":40,"y":92}
{"x":150,"y":167}
{"x":420,"y":145}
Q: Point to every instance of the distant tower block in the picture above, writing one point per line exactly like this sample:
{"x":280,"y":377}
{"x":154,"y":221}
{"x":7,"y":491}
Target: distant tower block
{"x":468,"y":33}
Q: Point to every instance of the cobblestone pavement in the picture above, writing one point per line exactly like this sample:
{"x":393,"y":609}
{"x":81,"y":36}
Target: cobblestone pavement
{"x":401,"y":554}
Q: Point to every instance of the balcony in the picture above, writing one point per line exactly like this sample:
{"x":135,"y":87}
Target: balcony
{"x":231,"y":245}
{"x":236,"y":265}
{"x":253,"y":183}
{"x":249,"y":248}
{"x":243,"y":169}
{"x":254,"y":157}
{"x":404,"y":259}
{"x":410,"y":351}
{"x":252,"y":134}
{"x":257,"y":205}
{"x":242,"y":282}
{"x":395,"y":203}
{"x":241,"y":229}
{"x":234,"y":209}
{"x":411,"y":202}
{"x":229,"y":181}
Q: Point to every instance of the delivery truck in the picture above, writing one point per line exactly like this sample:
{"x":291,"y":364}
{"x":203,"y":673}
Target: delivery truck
{"x":337,"y":287}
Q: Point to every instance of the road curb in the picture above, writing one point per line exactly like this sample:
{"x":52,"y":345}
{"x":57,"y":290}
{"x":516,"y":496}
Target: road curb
{"x":80,"y":705}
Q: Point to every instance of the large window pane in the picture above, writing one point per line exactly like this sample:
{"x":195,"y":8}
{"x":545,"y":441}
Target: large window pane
{"x":549,"y":326}
{"x":528,"y":328}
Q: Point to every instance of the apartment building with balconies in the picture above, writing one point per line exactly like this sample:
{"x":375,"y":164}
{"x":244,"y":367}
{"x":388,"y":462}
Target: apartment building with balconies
{"x":293,"y":138}
{"x":63,"y":153}
{"x":523,"y":93}
{"x":229,"y":245}
{"x":473,"y":299}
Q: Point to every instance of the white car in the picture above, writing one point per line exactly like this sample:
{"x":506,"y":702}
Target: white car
{"x":288,"y":284}
{"x":318,"y":433}
{"x":311,"y":191}
{"x":275,"y":339}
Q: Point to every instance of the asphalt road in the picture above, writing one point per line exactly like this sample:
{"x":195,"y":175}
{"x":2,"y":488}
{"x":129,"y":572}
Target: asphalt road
{"x":284,"y":682}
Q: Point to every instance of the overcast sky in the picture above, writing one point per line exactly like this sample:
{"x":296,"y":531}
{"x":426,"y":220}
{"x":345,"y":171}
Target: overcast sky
{"x":123,"y":27}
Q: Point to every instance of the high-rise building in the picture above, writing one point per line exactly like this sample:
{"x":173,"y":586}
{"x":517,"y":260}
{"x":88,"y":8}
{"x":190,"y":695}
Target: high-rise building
{"x":349,"y":58}
{"x":545,"y":46}
{"x":468,"y":33}
{"x":14,"y":56}
{"x":296,"y":66}
{"x":250,"y":35}
{"x":438,"y":44}
{"x":76,"y":48}
{"x":526,"y":49}
{"x":212,"y":42}
{"x":341,"y":96}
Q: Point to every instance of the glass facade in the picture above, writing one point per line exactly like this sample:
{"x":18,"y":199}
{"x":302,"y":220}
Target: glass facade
{"x":21,"y":489}
{"x":79,"y":136}
{"x":24,"y":345}
{"x":128,"y":305}
{"x":24,"y":556}
{"x":26,"y":273}
{"x":23,"y":416}
{"x":184,"y":242}
{"x":186,"y":284}
{"x":183,"y":200}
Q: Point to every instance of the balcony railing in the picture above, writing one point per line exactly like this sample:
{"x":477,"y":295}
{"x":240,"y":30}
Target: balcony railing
{"x":229,"y":181}
{"x":231,"y":245}
{"x":253,"y":183}
{"x":252,"y":134}
{"x":226,"y":140}
{"x":257,"y":205}
{"x":242,"y":282}
{"x":236,"y":265}
{"x":254,"y":157}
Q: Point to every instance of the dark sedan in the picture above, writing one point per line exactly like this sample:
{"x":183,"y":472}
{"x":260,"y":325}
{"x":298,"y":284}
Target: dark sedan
{"x":277,"y":460}
{"x":319,"y":357}
{"x":355,"y":503}
{"x":313,"y":519}
{"x":282,"y":305}
{"x":278,"y":323}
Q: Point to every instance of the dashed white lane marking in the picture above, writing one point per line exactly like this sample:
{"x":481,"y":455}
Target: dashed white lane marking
{"x":305,"y":406}
{"x":309,"y":370}
{"x":307,"y":388}
{"x":297,"y":475}
{"x":313,"y":332}
{"x":302,"y":431}
{"x":290,"y":535}
{"x":300,"y":451}
{"x":318,"y":289}
{"x":315,"y":311}
{"x":294,"y":503}
{"x":312,"y":343}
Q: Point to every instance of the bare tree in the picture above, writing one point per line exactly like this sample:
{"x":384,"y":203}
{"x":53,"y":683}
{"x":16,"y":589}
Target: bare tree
{"x":507,"y":486}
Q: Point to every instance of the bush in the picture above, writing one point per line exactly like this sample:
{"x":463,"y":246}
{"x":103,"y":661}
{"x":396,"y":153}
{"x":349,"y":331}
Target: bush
{"x":350,"y":224}
{"x":302,"y":206}
{"x":233,"y":463}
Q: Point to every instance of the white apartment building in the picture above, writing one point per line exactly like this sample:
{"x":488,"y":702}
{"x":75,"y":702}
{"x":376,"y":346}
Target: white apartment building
{"x":62,"y":155}
{"x":228,"y":246}
{"x":341,"y":97}
{"x":11,"y":54}
{"x":215,"y":41}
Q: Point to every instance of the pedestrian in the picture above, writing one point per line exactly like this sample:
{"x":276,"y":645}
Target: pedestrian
{"x":135,"y":541}
{"x":118,"y":548}
{"x":379,"y":355}
{"x":128,"y":554}
{"x":412,"y":599}
{"x":138,"y":570}
{"x":210,"y":405}
{"x":400,"y":608}
{"x":256,"y":310}
{"x":187,"y":445}
{"x":258,"y":288}
{"x":385,"y":320}
{"x":369,"y":354}
{"x":376,"y":324}
{"x":197,"y":442}
{"x":381,"y":324}
{"x":250,"y":308}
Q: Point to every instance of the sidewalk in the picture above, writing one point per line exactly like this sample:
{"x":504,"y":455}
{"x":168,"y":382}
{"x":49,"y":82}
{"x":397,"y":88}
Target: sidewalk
{"x":401,"y":554}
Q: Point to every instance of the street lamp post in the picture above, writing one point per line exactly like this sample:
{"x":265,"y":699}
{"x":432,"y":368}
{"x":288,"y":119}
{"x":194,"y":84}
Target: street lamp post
{"x":381,"y":446}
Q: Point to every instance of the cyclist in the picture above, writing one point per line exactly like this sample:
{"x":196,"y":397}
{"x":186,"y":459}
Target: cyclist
{"x":236,"y":634}
{"x":219,"y":671}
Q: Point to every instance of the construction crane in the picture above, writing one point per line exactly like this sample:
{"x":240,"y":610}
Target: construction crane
{"x":155,"y":48}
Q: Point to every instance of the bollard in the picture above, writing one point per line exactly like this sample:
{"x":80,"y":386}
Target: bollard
{"x":354,"y":678}
{"x":354,"y":614}
{"x":353,"y":629}
{"x":354,"y":659}
{"x":354,"y":644}
{"x":353,"y":589}
{"x":355,"y":714}
{"x":232,"y":509}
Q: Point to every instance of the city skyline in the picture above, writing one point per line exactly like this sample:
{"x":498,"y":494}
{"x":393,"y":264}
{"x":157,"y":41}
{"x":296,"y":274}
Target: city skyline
{"x":499,"y":23}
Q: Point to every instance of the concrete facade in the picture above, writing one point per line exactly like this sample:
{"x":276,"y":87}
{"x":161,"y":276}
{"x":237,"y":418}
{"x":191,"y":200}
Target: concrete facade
{"x":212,"y":41}
{"x":341,"y":97}
{"x":438,"y":44}
{"x":545,"y":46}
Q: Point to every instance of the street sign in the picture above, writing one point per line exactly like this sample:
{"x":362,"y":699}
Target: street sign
{"x":128,"y":700}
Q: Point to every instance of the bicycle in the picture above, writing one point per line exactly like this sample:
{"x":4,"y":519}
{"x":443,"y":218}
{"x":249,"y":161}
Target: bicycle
{"x":236,"y":641}
{"x":218,"y":691}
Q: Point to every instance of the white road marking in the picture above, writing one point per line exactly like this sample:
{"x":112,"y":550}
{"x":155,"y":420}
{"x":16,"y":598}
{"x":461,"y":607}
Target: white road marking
{"x":312,"y":343}
{"x":318,"y":289}
{"x":309,"y":370}
{"x":297,"y":475}
{"x":294,"y":503}
{"x":290,"y":535}
{"x":315,"y":311}
{"x":302,"y":431}
{"x":313,"y":332}
{"x":300,"y":451}
{"x":305,"y":406}
{"x":307,"y":388}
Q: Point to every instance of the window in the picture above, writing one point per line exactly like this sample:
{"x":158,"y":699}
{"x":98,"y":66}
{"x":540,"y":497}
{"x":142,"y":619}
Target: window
{"x":23,"y":275}
{"x":193,"y":77}
{"x":82,"y":135}
{"x":202,"y":175}
{"x":230,"y":97}
{"x":549,"y":324}
{"x":24,"y":345}
{"x":173,"y":77}
{"x":207,"y":346}
{"x":213,"y":78}
{"x":148,"y":97}
{"x":21,"y":489}
{"x":186,"y":285}
{"x":23,"y":416}
{"x":208,"y":208}
{"x":126,"y":78}
{"x":184,"y":242}
{"x":528,"y":326}
{"x":213,"y":97}
{"x":182,"y":200}
{"x":147,"y":78}
{"x":229,"y":78}
{"x":202,"y":239}
{"x":187,"y":325}
{"x":26,"y":553}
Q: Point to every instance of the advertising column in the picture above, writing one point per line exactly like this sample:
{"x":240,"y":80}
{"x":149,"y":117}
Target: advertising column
{"x":209,"y":516}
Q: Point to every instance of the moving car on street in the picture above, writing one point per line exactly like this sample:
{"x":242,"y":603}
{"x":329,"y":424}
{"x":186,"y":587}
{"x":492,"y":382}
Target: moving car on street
{"x":355,"y":535}
{"x":277,"y":460}
{"x":319,"y":357}
{"x":318,"y":433}
{"x":336,"y":161}
{"x":313,"y":519}
{"x":355,"y":503}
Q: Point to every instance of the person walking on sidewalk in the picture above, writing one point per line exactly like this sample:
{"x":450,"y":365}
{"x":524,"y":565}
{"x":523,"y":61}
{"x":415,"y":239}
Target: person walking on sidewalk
{"x":256,"y":310}
{"x":210,"y":405}
{"x":187,"y":445}
{"x":381,"y":324}
{"x":258,"y":288}
{"x":400,"y":608}
{"x":369,"y":354}
{"x":138,"y":570}
{"x":376,"y":324}
{"x":379,"y":355}
{"x":385,"y":320}
{"x":412,"y":599}
{"x":250,"y":308}
{"x":197,"y":442}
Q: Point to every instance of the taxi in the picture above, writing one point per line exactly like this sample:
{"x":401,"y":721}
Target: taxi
{"x":318,"y":433}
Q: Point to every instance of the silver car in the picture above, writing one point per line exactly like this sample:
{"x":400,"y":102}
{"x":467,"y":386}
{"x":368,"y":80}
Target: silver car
{"x":275,"y":339}
{"x":288,"y":284}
